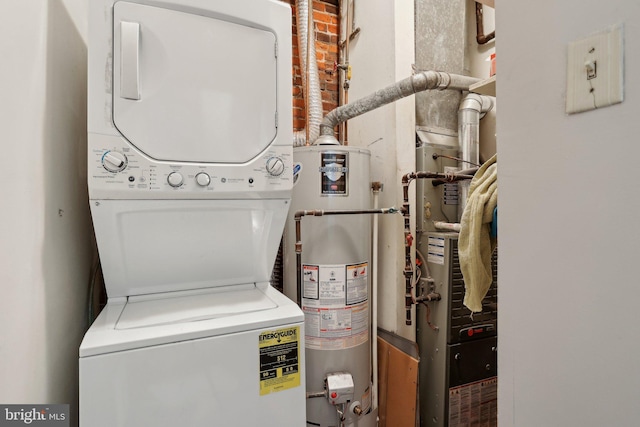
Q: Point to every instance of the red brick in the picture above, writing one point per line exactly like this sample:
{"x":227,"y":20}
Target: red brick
{"x":326,"y":96}
{"x":329,"y":8}
{"x":328,"y":106}
{"x":323,"y":17}
{"x":326,"y":31}
{"x":323,"y":37}
{"x":332,"y":87}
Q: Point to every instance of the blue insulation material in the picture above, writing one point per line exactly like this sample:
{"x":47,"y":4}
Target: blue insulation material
{"x":494,"y":223}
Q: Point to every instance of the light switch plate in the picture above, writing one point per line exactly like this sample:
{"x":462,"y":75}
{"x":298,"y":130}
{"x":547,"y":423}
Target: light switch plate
{"x":595,"y":71}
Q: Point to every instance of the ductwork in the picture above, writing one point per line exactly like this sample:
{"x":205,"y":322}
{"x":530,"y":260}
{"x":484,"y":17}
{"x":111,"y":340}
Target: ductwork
{"x":472,"y":109}
{"x":425,"y":80}
{"x":310,"y":75}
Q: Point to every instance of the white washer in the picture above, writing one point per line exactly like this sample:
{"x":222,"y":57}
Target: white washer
{"x":190,"y":158}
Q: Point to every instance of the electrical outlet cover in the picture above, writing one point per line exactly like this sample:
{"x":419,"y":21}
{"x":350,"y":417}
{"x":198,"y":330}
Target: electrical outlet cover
{"x":595,"y":71}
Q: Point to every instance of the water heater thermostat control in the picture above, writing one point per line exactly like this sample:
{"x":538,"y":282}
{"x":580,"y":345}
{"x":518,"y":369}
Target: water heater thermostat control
{"x":114,"y":161}
{"x":340,"y":387}
{"x":275,"y":166}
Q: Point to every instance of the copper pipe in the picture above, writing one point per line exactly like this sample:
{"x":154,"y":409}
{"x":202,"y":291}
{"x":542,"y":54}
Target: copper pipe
{"x":408,"y":237}
{"x":481,"y":38}
{"x":462,"y":175}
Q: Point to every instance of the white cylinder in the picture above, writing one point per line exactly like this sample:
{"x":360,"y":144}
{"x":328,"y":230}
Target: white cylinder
{"x":335,"y":284}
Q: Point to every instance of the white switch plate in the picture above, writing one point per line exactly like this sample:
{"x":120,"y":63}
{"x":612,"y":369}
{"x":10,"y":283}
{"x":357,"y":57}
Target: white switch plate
{"x":601,"y":56}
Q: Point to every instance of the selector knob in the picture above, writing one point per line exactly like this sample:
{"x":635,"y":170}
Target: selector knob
{"x":175,"y":179}
{"x":114,"y":161}
{"x":203,"y":179}
{"x":275,"y":166}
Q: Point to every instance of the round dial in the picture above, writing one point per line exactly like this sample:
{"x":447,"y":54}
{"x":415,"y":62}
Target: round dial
{"x":175,"y":179}
{"x":275,"y":166}
{"x":203,"y":179}
{"x":114,"y":161}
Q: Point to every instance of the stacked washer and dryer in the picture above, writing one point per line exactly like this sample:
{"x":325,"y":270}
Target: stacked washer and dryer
{"x":190,"y":177}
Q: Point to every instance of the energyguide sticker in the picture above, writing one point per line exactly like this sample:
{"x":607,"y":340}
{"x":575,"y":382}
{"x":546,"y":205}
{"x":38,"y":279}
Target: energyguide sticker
{"x":279,"y":359}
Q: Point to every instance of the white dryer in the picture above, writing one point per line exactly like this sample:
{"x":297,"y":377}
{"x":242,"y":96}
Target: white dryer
{"x":190,"y":154}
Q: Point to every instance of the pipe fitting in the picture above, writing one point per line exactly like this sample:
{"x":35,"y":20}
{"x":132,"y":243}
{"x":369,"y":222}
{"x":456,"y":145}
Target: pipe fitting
{"x":480,"y":103}
{"x":356,"y":408}
{"x":315,"y":394}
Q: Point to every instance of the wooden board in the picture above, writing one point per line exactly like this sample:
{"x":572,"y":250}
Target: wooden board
{"x":397,"y":386}
{"x":485,"y":87}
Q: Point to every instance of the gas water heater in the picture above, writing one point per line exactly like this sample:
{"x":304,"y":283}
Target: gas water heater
{"x":335,"y":284}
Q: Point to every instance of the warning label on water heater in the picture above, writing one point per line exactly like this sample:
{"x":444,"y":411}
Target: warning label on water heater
{"x":335,"y":304}
{"x":279,"y":359}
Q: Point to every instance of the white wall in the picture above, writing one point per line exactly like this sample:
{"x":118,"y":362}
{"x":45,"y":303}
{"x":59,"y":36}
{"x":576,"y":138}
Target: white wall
{"x":568,"y":234}
{"x":381,"y":55}
{"x":45,"y":250}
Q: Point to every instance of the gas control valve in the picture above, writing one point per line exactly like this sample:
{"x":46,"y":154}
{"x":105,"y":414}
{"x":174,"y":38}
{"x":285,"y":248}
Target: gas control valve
{"x":340,"y":388}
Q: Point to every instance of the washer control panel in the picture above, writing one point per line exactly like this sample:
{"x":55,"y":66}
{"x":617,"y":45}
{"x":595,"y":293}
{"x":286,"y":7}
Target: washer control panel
{"x":116,"y":169}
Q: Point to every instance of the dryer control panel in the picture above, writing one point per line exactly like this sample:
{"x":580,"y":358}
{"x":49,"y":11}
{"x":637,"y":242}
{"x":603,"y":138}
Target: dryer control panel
{"x":118,"y":171}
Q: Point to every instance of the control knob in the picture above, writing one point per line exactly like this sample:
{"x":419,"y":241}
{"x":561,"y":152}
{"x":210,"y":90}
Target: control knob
{"x":175,"y":179}
{"x":203,"y":179}
{"x":275,"y":166}
{"x":114,"y":161}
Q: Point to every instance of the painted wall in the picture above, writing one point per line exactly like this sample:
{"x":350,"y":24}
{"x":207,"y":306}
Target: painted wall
{"x":381,"y":55}
{"x":45,"y":250}
{"x":568,"y":234}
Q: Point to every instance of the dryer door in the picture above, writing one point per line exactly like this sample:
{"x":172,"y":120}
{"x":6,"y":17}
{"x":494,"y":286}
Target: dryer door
{"x":193,"y":88}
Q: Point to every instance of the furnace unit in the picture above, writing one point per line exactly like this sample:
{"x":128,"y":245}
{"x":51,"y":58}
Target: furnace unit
{"x":458,"y":352}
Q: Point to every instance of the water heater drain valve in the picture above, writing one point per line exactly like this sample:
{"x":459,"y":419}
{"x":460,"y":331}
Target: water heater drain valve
{"x":340,"y":388}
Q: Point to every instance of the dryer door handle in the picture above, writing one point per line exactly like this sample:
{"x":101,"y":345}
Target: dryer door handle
{"x":130,"y":60}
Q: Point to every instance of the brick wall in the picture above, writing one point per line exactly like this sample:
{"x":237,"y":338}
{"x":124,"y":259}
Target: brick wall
{"x":325,"y":17}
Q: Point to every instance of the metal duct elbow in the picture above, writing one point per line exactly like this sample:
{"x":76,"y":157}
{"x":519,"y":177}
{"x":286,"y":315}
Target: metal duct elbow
{"x":474,"y":102}
{"x":419,"y":82}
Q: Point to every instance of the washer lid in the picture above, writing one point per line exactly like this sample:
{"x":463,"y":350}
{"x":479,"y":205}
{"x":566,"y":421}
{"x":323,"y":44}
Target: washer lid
{"x":192,"y":319}
{"x":165,"y":309}
{"x":193,"y":88}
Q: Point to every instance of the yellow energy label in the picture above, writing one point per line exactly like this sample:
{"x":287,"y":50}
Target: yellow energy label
{"x":279,"y":360}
